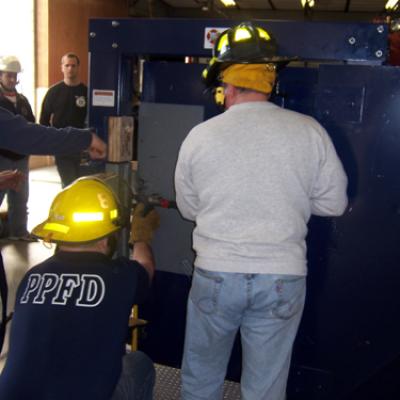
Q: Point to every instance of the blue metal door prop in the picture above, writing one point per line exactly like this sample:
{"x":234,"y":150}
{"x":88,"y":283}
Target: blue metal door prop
{"x":347,"y":344}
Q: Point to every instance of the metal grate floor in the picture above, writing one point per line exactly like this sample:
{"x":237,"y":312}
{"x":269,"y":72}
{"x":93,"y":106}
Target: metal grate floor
{"x":168,"y":385}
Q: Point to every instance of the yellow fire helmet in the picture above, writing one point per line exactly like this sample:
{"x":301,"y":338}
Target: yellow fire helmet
{"x":84,"y":211}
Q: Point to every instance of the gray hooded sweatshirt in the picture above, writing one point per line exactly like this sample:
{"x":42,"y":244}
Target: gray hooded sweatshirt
{"x":250,"y":178}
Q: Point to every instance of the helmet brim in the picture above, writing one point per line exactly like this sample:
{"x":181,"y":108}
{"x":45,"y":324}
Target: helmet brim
{"x":41,"y":233}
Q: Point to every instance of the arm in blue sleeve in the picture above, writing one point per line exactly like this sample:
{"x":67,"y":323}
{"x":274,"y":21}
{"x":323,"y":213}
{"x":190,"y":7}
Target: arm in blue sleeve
{"x":16,"y":134}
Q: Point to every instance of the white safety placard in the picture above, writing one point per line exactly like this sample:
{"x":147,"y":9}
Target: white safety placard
{"x":103,"y":98}
{"x":211,"y":36}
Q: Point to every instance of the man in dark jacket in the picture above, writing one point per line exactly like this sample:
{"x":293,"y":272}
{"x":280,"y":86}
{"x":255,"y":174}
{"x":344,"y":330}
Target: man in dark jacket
{"x":17,"y":104}
{"x":65,"y":104}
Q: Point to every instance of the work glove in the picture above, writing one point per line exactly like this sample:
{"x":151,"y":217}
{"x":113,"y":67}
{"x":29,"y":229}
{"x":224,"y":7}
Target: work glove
{"x":143,"y":226}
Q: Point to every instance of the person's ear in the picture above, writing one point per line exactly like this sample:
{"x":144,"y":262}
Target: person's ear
{"x":102,"y":246}
{"x":228,"y":89}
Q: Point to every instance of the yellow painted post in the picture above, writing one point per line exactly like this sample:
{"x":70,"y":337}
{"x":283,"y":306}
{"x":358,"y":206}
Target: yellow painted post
{"x":134,"y":340}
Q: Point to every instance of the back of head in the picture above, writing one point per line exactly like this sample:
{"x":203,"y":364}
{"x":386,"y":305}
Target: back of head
{"x":84,"y":212}
{"x":257,"y":77}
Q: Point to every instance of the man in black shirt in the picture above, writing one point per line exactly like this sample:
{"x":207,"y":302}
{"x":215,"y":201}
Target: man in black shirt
{"x":65,"y":104}
{"x":17,"y":104}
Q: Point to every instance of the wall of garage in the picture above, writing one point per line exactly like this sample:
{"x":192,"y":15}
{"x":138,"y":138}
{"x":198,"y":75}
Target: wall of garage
{"x":62,"y":26}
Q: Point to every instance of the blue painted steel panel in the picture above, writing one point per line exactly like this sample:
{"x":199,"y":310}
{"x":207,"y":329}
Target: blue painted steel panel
{"x":307,"y":40}
{"x":296,"y":89}
{"x":104,"y":75}
{"x":350,"y":330}
{"x":114,"y":44}
{"x":189,"y":90}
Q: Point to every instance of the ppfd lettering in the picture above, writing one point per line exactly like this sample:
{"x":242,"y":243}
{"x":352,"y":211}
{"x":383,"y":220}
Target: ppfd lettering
{"x":88,"y":289}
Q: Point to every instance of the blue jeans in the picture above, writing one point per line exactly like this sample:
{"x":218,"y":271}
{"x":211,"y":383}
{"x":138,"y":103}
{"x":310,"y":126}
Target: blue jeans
{"x":266,"y":308}
{"x":137,"y":378}
{"x":17,"y":200}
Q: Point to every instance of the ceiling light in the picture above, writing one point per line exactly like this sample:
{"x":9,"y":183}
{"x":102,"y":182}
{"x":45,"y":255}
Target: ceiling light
{"x":228,"y":3}
{"x":307,"y":3}
{"x":392,"y":5}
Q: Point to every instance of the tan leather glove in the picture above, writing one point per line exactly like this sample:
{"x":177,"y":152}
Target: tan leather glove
{"x":143,"y":227}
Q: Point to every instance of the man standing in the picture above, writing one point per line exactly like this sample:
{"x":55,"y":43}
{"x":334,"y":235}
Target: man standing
{"x":250,"y":178}
{"x":65,"y":104}
{"x":18,"y":104}
{"x":78,"y":304}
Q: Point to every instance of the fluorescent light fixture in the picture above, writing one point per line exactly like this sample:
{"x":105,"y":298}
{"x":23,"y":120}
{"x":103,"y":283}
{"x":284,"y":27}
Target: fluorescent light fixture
{"x":309,"y":3}
{"x":392,"y":5}
{"x":228,"y":3}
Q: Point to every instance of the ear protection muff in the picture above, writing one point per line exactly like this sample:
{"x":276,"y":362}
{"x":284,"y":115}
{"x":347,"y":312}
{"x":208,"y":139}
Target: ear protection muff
{"x":219,"y":95}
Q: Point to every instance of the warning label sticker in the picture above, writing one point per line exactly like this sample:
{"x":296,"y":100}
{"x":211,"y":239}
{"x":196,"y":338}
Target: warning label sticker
{"x":211,"y":36}
{"x":103,"y":98}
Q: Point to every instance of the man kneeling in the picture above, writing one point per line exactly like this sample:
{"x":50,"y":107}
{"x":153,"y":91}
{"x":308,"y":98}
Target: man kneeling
{"x":72,"y":310}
